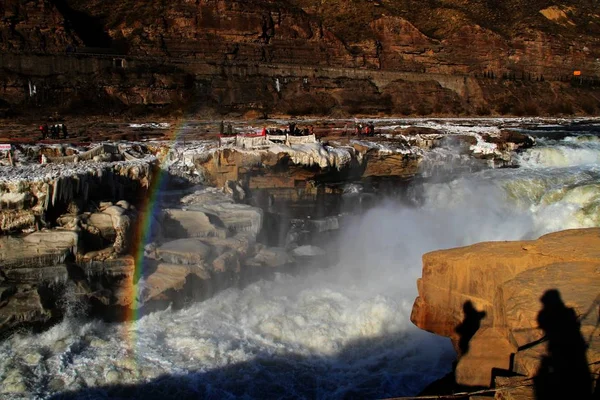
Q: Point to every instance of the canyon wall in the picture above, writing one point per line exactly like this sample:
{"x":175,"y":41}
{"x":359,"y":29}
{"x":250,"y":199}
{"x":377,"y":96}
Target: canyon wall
{"x":296,"y":57}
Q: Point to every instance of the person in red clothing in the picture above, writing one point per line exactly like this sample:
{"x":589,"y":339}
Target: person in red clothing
{"x":44,"y":130}
{"x":264,"y":132}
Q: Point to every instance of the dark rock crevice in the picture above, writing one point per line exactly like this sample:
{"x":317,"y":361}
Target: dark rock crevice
{"x":89,"y":28}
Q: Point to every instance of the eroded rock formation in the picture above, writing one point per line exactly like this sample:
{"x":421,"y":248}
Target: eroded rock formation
{"x":493,"y":297}
{"x":101,"y":262}
{"x":77,"y":227}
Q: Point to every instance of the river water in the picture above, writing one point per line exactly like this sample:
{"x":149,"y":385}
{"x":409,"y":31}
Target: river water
{"x":340,"y":332}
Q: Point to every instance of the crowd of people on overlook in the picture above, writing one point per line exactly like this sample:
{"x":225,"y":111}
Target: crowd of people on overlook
{"x":364,"y":130}
{"x":54,"y":131}
{"x":222,"y":129}
{"x":59,"y":130}
{"x":292,"y":129}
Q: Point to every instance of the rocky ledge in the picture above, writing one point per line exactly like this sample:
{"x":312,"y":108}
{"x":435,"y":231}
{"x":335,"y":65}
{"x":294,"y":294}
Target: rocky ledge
{"x":306,"y":165}
{"x":186,"y":250}
{"x":79,"y":235}
{"x":514,"y":308}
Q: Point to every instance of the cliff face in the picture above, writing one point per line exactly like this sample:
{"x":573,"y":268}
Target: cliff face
{"x":224,"y":53}
{"x":34,"y":26}
{"x":453,"y":37}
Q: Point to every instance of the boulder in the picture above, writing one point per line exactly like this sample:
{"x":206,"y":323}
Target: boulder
{"x":488,"y":349}
{"x":109,"y":280}
{"x":308,"y":251}
{"x":123,"y":266}
{"x":15,"y":220}
{"x":240,"y":243}
{"x":104,"y":205}
{"x":178,"y":224}
{"x":272,"y":257}
{"x":23,"y":308}
{"x":238,"y":218}
{"x":102,"y":224}
{"x":37,"y":250}
{"x":15,"y":201}
{"x":68,"y":221}
{"x":165,"y":277}
{"x":399,"y":165}
{"x":222,"y":212}
{"x":184,"y":252}
{"x":124,"y":204}
{"x":579,"y":287}
{"x":112,"y":225}
{"x":38,"y":275}
{"x":475,"y":273}
{"x":122,"y":225}
{"x":514,"y":388}
{"x":114,"y":211}
{"x":325,"y":224}
{"x":227,"y":262}
{"x":235,"y":190}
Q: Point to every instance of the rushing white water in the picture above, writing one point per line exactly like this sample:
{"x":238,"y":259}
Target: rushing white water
{"x":569,"y":152}
{"x":334,"y":333}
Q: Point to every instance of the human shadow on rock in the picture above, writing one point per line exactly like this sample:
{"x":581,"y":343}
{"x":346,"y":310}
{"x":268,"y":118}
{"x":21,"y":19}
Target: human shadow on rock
{"x":564,"y":372}
{"x":469,"y":326}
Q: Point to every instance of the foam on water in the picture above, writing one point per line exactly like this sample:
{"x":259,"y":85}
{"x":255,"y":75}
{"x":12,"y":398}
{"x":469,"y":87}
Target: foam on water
{"x":337,"y":331}
{"x":571,"y":151}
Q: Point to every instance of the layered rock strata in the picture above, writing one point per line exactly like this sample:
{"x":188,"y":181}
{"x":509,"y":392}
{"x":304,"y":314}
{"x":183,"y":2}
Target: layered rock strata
{"x":75,"y":222}
{"x":440,"y":38}
{"x":297,"y":57}
{"x":306,"y":169}
{"x":201,"y":244}
{"x":491,"y":300}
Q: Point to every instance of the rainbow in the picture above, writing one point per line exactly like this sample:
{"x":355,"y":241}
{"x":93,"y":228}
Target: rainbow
{"x":143,"y":232}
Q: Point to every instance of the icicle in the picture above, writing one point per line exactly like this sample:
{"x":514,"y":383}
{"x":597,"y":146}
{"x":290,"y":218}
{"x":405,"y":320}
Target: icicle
{"x":72,"y":188}
{"x":67,"y":191}
{"x":111,"y":182}
{"x":55,"y":189}
{"x":78,"y":184}
{"x":62,"y":188}
{"x":48,"y":194}
{"x":86,"y":188}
